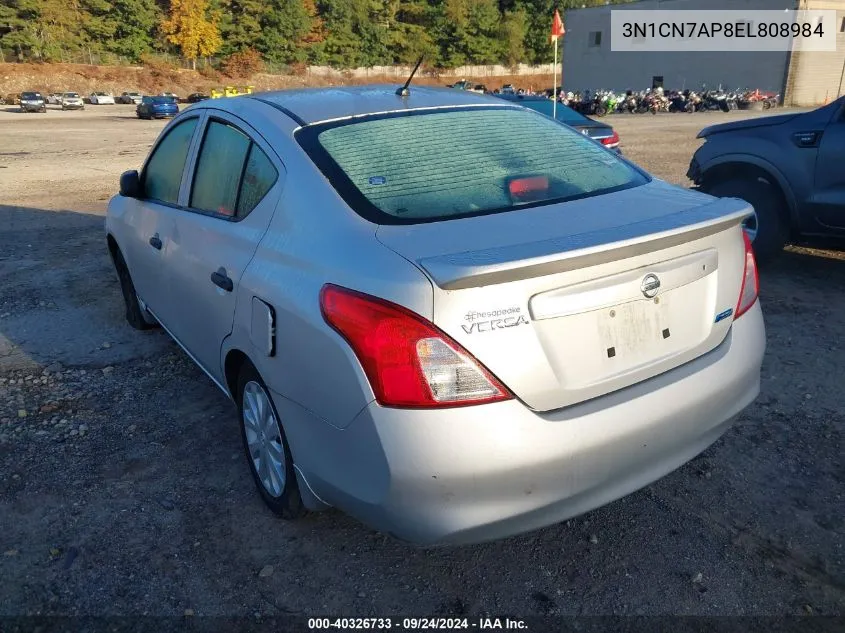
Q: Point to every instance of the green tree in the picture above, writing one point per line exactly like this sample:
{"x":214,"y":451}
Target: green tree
{"x":356,"y":33}
{"x":17,"y":32}
{"x":287,"y":31}
{"x":192,"y":28}
{"x":53,"y":28}
{"x":409,"y":32}
{"x":468,"y":32}
{"x":240,"y":24}
{"x":512,"y":36}
{"x":135,"y":27}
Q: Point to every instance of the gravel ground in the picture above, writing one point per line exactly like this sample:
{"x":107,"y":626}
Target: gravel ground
{"x":123,"y":488}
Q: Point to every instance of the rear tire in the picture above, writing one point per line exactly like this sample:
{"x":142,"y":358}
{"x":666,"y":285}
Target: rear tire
{"x":279,"y":493}
{"x":134,"y":312}
{"x":772,"y":231}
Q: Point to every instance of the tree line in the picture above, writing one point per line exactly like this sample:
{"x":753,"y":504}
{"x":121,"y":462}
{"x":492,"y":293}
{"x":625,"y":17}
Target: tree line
{"x":339,"y":33}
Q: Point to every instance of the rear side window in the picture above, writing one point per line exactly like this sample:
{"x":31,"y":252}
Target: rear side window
{"x":441,"y":164}
{"x":163,"y":173}
{"x":219,"y":169}
{"x":259,"y":177}
{"x":233,"y":174}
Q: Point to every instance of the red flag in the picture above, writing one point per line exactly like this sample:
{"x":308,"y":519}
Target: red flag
{"x":557,"y":27}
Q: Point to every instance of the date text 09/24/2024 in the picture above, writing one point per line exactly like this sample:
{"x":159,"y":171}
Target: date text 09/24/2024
{"x":417,"y":624}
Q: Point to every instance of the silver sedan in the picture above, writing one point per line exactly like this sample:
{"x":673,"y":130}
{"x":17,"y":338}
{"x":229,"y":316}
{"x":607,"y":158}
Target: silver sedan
{"x":447,"y":315}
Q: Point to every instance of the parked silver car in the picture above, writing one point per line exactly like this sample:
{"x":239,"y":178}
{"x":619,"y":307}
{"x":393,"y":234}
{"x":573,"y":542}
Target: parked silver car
{"x":451,"y":342}
{"x":72,"y":101}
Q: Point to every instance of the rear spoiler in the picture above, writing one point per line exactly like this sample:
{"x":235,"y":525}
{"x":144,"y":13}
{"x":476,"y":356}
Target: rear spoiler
{"x":521,"y":261}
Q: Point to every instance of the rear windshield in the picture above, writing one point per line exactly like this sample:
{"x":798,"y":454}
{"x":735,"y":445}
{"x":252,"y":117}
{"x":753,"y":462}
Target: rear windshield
{"x":71,"y":95}
{"x":30,"y":95}
{"x":422,"y":166}
{"x":163,"y":100}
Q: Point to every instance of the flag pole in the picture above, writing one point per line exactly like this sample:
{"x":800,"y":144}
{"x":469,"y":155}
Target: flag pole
{"x":554,"y":84}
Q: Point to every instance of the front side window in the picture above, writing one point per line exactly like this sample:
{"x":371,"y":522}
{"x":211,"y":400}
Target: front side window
{"x":407,"y":168}
{"x":232,"y":174}
{"x":163,"y":173}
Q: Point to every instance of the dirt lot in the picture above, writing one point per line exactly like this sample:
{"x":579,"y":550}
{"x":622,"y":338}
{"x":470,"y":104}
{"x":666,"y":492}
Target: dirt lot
{"x":123,"y":489}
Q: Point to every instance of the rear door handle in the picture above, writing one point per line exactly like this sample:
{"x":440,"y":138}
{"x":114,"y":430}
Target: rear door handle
{"x":155,"y":242}
{"x":222,"y":280}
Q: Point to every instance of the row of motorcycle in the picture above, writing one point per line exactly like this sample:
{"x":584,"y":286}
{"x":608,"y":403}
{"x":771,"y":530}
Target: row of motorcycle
{"x":603,"y":102}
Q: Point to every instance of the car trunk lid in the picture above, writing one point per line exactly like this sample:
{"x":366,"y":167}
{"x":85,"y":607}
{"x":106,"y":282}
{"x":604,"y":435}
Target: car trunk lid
{"x":570,"y":301}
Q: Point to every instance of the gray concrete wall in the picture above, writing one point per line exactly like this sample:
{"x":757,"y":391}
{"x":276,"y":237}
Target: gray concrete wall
{"x":591,"y":67}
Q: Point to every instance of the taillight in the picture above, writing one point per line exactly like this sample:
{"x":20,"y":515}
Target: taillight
{"x":750,"y":280}
{"x":611,"y":141}
{"x":408,"y":360}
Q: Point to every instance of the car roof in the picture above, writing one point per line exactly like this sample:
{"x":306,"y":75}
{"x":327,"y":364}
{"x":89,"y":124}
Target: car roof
{"x":312,"y":105}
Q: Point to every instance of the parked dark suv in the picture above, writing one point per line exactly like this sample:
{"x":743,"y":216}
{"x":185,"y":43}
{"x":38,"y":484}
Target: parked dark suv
{"x":789,"y":167}
{"x":33,"y":102}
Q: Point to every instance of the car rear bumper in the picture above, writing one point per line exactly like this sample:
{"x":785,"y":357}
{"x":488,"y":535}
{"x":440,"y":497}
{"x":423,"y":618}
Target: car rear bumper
{"x":471,"y":474}
{"x":31,"y":107}
{"x":73,"y":106}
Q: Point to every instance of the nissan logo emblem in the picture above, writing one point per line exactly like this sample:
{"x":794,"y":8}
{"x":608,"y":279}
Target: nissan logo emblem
{"x":650,"y":285}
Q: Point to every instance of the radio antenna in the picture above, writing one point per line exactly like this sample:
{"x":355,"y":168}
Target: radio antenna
{"x":404,"y":91}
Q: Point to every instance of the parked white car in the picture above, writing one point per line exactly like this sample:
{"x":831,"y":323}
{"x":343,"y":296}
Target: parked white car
{"x":54,"y":98}
{"x":72,"y":101}
{"x":101,"y":98}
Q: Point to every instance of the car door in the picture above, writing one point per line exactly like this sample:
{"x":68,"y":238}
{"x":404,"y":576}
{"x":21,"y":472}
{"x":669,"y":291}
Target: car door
{"x":829,"y":193}
{"x":236,"y":183}
{"x":146,"y":223}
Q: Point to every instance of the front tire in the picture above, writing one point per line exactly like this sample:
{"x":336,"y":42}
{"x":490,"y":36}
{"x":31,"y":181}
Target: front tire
{"x":770,"y":232}
{"x":266,"y":446}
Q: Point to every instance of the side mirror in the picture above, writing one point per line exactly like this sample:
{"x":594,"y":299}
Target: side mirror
{"x":130,"y":184}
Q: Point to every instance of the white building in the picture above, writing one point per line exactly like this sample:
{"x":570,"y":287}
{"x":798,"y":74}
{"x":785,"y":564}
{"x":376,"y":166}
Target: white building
{"x":803,"y":78}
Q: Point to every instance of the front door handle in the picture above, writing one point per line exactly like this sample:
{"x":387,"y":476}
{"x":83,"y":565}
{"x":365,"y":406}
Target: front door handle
{"x":222,"y":280}
{"x":155,"y":242}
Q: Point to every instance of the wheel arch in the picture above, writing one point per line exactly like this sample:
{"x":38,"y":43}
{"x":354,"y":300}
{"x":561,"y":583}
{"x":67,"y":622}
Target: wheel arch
{"x":233,"y":362}
{"x":112,"y":243}
{"x":736,"y":166}
{"x":235,"y":359}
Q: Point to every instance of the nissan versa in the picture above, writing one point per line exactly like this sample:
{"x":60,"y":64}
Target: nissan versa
{"x":447,"y":315}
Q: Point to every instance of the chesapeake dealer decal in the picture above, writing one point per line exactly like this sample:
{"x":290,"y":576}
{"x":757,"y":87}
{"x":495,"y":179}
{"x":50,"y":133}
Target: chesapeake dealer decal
{"x":493,"y":320}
